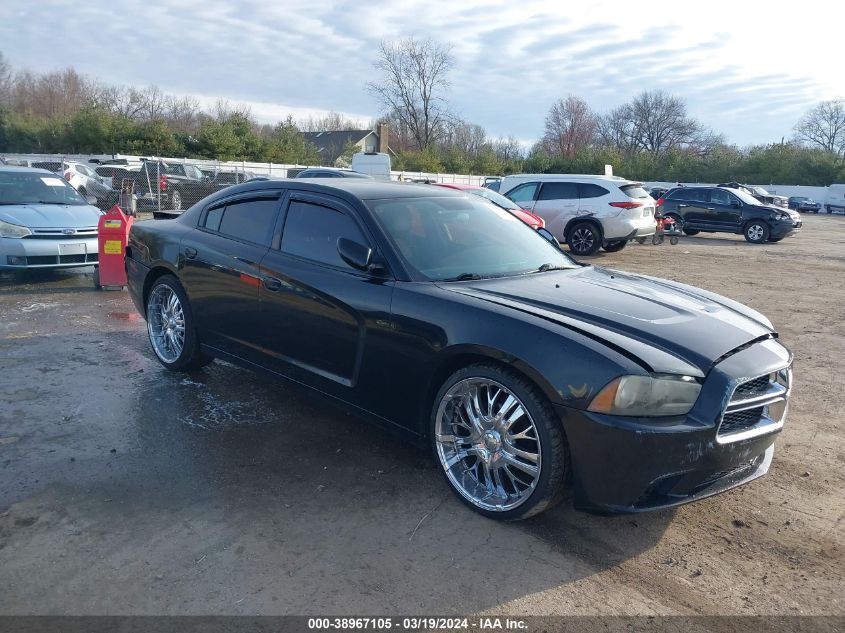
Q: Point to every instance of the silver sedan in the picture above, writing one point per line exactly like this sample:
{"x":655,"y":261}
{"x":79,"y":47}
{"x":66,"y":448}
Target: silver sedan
{"x":44,"y":222}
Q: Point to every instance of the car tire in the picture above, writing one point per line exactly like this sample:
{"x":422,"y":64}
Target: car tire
{"x":584,"y":239}
{"x":691,"y":231}
{"x":176,"y":201}
{"x":170,"y":326}
{"x":756,"y":232}
{"x":615,"y":246}
{"x":97,"y":284}
{"x":526,"y":474}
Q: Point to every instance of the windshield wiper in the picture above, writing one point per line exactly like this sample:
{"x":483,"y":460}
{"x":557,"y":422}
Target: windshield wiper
{"x":464,"y":277}
{"x":546,"y":267}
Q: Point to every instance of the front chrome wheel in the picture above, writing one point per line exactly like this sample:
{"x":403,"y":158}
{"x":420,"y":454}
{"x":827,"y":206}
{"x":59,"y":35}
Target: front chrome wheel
{"x":488,"y":444}
{"x":166,"y":323}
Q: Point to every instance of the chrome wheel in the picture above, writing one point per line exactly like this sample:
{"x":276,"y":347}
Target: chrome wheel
{"x":166,"y":323}
{"x":582,"y":240}
{"x":755,"y":232}
{"x":488,"y":444}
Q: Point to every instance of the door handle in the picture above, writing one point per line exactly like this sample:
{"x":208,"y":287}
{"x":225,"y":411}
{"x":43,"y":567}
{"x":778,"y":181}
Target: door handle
{"x":271,"y":283}
{"x":190,"y":253}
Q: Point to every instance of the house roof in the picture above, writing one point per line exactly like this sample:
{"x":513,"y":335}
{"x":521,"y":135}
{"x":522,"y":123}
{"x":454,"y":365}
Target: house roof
{"x":334,"y":142}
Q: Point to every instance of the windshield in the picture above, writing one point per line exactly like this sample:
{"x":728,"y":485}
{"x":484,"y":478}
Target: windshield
{"x":446,"y":238}
{"x":760,"y":191}
{"x":17,"y":187}
{"x":745,"y":197}
{"x":496,"y":198}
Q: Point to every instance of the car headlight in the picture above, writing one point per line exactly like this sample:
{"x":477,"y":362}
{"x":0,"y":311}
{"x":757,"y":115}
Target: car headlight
{"x":780,"y":215}
{"x":7,"y":229}
{"x":647,"y":396}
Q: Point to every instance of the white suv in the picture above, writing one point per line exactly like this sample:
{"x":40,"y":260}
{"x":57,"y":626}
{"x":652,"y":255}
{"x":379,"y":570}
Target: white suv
{"x":586,"y":212}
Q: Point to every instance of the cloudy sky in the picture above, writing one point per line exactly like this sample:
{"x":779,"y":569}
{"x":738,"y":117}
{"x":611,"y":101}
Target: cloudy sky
{"x":747,"y":69}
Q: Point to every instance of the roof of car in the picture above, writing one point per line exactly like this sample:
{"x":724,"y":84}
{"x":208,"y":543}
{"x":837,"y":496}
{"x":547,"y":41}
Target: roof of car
{"x":361,"y":189}
{"x":459,"y":187}
{"x":571,"y":177}
{"x":26,"y":169}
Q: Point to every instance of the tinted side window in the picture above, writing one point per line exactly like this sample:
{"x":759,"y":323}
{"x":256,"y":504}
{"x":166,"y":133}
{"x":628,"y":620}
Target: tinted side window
{"x":589,"y":190}
{"x":523,"y":193}
{"x":717,"y":196}
{"x":250,"y":220}
{"x":690,"y":193}
{"x":312,"y":231}
{"x":559,"y":191}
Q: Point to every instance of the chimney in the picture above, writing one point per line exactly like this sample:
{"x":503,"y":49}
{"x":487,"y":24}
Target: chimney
{"x":383,"y":137}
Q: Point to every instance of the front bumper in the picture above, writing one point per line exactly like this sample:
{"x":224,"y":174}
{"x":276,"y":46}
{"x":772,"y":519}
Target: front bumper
{"x":783,"y":228}
{"x":621,"y":464}
{"x":29,"y":253}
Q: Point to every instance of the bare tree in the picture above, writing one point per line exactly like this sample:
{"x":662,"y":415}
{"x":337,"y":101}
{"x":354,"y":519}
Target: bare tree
{"x":616,"y":130}
{"x":5,"y":80}
{"x":182,"y":114}
{"x":508,"y":149}
{"x":331,"y":122}
{"x":824,"y":126}
{"x":468,"y":138}
{"x":570,"y":127}
{"x":414,"y":79}
{"x":660,"y":122}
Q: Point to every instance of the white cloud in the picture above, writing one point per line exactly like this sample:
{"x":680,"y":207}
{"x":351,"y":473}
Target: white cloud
{"x":746,"y":69}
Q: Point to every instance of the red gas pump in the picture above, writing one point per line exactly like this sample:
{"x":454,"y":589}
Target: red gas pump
{"x":113,"y":234}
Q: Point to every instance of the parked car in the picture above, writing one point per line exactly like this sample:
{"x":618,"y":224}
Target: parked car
{"x":226,"y":178}
{"x":835,"y":199}
{"x":759,"y":193}
{"x":802,"y":203}
{"x":532,"y":220}
{"x":657,"y":192}
{"x":44,"y":222}
{"x":434,"y":314}
{"x":84,"y":179}
{"x":330,"y":172}
{"x":586,"y":212}
{"x":493,"y":185}
{"x":728,"y":210}
{"x":167,"y":189}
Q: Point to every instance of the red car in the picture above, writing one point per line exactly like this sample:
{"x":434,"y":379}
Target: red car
{"x":534,"y":221}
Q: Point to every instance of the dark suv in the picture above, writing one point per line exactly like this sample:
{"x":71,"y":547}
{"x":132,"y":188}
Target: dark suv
{"x":720,"y":209}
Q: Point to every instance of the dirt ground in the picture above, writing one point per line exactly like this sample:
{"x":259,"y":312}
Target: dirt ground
{"x":128,"y":490}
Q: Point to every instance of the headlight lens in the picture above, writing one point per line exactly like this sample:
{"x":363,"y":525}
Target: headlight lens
{"x":647,"y":396}
{"x":8,"y":229}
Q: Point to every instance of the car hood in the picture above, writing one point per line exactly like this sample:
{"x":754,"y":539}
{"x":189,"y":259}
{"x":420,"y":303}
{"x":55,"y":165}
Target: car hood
{"x":646,"y":317}
{"x":50,"y":216}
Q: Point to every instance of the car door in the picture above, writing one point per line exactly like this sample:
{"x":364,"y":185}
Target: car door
{"x":321,"y":318}
{"x":592,"y":200}
{"x":525,"y":195}
{"x":726,"y":210}
{"x":557,"y":203}
{"x":220,"y":272}
{"x":692,"y":203}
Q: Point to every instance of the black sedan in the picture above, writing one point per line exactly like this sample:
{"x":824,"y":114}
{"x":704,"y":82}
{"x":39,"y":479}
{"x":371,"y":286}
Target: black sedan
{"x":804,"y":204}
{"x":438,"y":315}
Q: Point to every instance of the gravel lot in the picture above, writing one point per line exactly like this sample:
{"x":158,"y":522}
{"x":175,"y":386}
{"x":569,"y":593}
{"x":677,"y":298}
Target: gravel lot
{"x":128,"y":490}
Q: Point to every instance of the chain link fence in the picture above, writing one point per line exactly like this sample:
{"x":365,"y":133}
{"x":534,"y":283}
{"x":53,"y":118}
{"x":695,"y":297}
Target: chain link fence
{"x":167,"y":186}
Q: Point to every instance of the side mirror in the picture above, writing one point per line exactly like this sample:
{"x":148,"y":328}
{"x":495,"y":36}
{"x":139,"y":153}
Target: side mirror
{"x":91,"y":200}
{"x":356,"y":255}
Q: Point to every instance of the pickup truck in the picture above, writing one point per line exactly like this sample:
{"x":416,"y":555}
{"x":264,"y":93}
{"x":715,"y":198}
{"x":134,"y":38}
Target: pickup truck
{"x":167,"y":189}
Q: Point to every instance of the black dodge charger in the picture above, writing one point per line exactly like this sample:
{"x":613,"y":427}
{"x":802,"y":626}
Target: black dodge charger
{"x":437,"y":314}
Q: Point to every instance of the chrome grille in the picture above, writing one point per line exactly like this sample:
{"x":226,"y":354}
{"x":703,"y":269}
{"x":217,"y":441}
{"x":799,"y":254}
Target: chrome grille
{"x":756,"y":406}
{"x":60,"y":234}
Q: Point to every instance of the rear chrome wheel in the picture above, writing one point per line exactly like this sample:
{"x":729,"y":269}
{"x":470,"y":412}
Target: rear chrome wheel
{"x":170,"y":326}
{"x":498,"y":442}
{"x":166,"y":323}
